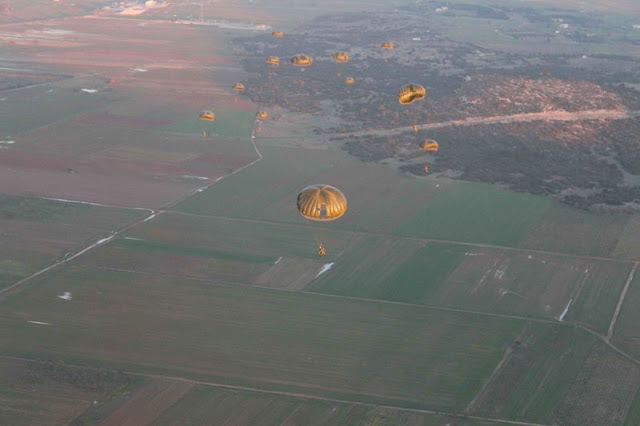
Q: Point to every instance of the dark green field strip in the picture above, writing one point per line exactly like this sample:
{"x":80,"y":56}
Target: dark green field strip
{"x":477,"y":213}
{"x":633,"y":416}
{"x":402,"y":271}
{"x":191,"y":251}
{"x":347,"y":349}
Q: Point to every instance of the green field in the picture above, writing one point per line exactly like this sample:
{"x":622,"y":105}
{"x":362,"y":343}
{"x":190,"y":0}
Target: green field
{"x":349,"y":349}
{"x":36,"y":232}
{"x":626,"y":332}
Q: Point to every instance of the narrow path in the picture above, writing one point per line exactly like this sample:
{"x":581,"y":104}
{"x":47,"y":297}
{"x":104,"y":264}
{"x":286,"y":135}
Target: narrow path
{"x":620,"y":301}
{"x":295,"y":394}
{"x":599,"y":114}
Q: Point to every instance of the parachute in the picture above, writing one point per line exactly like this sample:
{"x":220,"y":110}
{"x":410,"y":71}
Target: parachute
{"x":207,"y":115}
{"x":349,"y":80}
{"x":277,"y":34}
{"x":273,"y":60}
{"x":238,"y":86}
{"x":321,"y":202}
{"x":341,"y":57}
{"x":387,"y":45}
{"x":429,"y":145}
{"x":262,"y":115}
{"x":426,"y":169}
{"x":302,"y":60}
{"x":410,"y":93}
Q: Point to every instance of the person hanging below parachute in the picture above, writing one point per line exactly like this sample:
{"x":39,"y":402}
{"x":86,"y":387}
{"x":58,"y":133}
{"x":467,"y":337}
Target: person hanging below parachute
{"x":321,"y":203}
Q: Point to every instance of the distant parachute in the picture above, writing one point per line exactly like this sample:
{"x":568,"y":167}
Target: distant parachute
{"x":262,"y":115}
{"x":387,"y":45}
{"x":349,"y":80}
{"x":277,"y":34}
{"x":207,"y":115}
{"x":341,"y":57}
{"x":410,"y":93}
{"x":321,"y":202}
{"x":273,"y":60}
{"x":302,"y":60}
{"x":426,"y":169}
{"x":429,"y":145}
{"x":238,"y":86}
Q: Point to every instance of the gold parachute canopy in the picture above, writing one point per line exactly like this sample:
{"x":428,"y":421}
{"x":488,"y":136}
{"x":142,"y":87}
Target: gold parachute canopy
{"x":277,"y":34}
{"x":262,"y":115}
{"x":273,"y":60}
{"x":429,"y":145}
{"x":207,"y":115}
{"x":321,"y":202}
{"x":341,"y":57}
{"x":302,"y":60}
{"x":349,"y":80}
{"x":387,"y":45}
{"x":238,"y":86}
{"x":410,"y":93}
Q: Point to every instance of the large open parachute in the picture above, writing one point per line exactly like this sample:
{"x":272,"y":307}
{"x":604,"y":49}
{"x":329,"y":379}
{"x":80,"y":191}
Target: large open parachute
{"x":302,"y":60}
{"x":238,"y":86}
{"x":277,"y":34}
{"x":349,"y":80}
{"x":262,"y":115}
{"x":387,"y":45}
{"x":321,"y":202}
{"x":429,"y":145}
{"x":273,"y":60}
{"x":410,"y":93}
{"x":207,"y":115}
{"x":341,"y":57}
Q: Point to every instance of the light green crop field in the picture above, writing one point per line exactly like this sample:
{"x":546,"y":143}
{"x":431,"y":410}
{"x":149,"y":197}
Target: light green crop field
{"x":477,"y":213}
{"x":326,"y":346}
{"x":228,"y":123}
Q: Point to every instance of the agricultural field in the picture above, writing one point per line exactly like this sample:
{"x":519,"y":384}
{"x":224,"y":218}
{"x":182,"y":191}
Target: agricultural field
{"x":35,"y":232}
{"x":626,"y":332}
{"x":348,"y":349}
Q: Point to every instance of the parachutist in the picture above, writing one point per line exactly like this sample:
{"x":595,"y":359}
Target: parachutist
{"x":321,"y":251}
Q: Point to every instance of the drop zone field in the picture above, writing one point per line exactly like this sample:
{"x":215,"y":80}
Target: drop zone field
{"x":438,"y":301}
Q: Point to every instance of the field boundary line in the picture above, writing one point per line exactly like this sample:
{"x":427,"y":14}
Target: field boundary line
{"x":403,"y":237}
{"x":623,"y":293}
{"x":292,"y":394}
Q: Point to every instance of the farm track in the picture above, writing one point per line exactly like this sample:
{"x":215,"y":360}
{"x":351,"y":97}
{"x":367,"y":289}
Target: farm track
{"x":294,"y":394}
{"x":600,"y":114}
{"x":623,"y":293}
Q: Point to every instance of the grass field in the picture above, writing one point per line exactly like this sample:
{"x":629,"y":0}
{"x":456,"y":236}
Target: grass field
{"x":35,"y":232}
{"x":477,"y":213}
{"x":626,"y":332}
{"x":558,"y":375}
{"x":367,"y":351}
{"x":229,"y":123}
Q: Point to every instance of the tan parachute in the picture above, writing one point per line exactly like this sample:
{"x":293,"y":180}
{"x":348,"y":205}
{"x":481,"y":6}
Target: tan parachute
{"x":302,"y":60}
{"x":387,"y":45}
{"x":262,"y":115}
{"x":410,"y":93}
{"x":349,"y":80}
{"x":321,"y":202}
{"x":341,"y":57}
{"x":238,"y":86}
{"x":207,"y":115}
{"x":273,"y":60}
{"x":277,"y":34}
{"x":429,"y":145}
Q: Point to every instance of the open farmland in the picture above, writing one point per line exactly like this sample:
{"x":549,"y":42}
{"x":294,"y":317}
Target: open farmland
{"x":267,"y":339}
{"x":35,"y":232}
